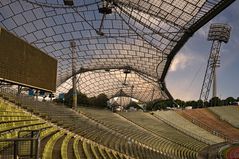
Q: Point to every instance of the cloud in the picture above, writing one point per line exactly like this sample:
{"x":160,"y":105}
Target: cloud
{"x":180,"y":62}
{"x":187,"y":68}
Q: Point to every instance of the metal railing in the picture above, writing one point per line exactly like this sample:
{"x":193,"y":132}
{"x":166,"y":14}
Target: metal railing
{"x":26,"y":146}
{"x":12,"y":95}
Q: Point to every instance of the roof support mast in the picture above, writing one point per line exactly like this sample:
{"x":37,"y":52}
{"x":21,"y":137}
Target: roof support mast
{"x":74,"y":93}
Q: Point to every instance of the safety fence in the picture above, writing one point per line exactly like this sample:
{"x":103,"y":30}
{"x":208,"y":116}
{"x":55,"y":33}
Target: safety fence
{"x":26,"y":146}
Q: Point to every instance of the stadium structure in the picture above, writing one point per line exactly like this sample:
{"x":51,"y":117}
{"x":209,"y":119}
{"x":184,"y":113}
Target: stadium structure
{"x":121,"y":48}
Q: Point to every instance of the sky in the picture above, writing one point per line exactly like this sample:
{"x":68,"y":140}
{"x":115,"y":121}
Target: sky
{"x":185,"y":77}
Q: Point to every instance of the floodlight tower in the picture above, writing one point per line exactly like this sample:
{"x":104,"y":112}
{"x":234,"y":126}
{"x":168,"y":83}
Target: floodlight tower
{"x":74,"y":92}
{"x":218,"y":33}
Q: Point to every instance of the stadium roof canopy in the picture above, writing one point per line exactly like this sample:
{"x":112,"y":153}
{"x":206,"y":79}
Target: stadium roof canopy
{"x":128,"y":53}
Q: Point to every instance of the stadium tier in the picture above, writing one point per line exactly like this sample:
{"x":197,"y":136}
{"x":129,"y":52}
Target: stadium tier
{"x":98,"y":133}
{"x":164,"y":130}
{"x":228,"y":113}
{"x":70,"y":120}
{"x":144,"y":129}
{"x":175,"y":120}
{"x":56,"y":142}
{"x":213,"y":123}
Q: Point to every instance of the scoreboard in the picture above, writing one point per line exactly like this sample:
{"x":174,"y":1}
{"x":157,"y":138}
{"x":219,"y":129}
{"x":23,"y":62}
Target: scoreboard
{"x":24,"y":64}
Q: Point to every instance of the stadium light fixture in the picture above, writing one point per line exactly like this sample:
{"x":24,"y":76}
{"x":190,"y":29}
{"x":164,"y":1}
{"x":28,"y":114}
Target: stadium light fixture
{"x":69,"y":2}
{"x":104,"y":8}
{"x":126,"y":72}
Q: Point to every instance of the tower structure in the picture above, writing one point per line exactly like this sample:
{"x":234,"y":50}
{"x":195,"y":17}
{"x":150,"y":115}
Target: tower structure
{"x":74,"y":91}
{"x":218,"y":33}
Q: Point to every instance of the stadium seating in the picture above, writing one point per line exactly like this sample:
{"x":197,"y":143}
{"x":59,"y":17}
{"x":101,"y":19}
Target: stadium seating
{"x":48,"y":149}
{"x":164,"y":130}
{"x":51,"y":135}
{"x":228,"y":113}
{"x":161,"y":140}
{"x":175,"y":120}
{"x":96,"y":133}
{"x":64,"y":146}
{"x":211,"y":122}
{"x":92,"y":130}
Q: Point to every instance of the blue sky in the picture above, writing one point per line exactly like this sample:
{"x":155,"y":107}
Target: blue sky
{"x":184,"y":80}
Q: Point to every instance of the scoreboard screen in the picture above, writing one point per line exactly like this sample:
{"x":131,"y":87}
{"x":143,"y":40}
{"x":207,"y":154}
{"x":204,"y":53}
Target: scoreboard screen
{"x":24,"y":64}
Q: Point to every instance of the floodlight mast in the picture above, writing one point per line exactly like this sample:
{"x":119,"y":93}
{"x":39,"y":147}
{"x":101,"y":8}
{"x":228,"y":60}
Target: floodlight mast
{"x":218,"y":33}
{"x":74,"y":91}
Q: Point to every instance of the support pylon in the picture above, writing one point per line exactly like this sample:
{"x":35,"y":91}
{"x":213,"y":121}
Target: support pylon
{"x":74,"y":91}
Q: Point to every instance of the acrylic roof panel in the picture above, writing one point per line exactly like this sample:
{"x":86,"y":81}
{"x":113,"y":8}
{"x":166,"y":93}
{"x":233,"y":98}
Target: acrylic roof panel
{"x":140,"y":35}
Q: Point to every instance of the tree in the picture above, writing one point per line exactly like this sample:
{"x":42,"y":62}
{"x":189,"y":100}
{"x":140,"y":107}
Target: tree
{"x":68,"y":98}
{"x":192,"y":103}
{"x":101,"y":100}
{"x":180,"y":103}
{"x":215,"y":101}
{"x":149,"y":105}
{"x":168,"y":103}
{"x":158,"y":104}
{"x":82,"y":99}
{"x":92,"y":101}
{"x":206,"y":104}
{"x":200,"y":103}
{"x":229,"y":101}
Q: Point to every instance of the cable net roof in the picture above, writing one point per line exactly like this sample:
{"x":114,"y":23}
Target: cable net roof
{"x":140,"y":36}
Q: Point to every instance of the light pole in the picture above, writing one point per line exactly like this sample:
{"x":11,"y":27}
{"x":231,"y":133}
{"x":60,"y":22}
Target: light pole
{"x":218,"y":33}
